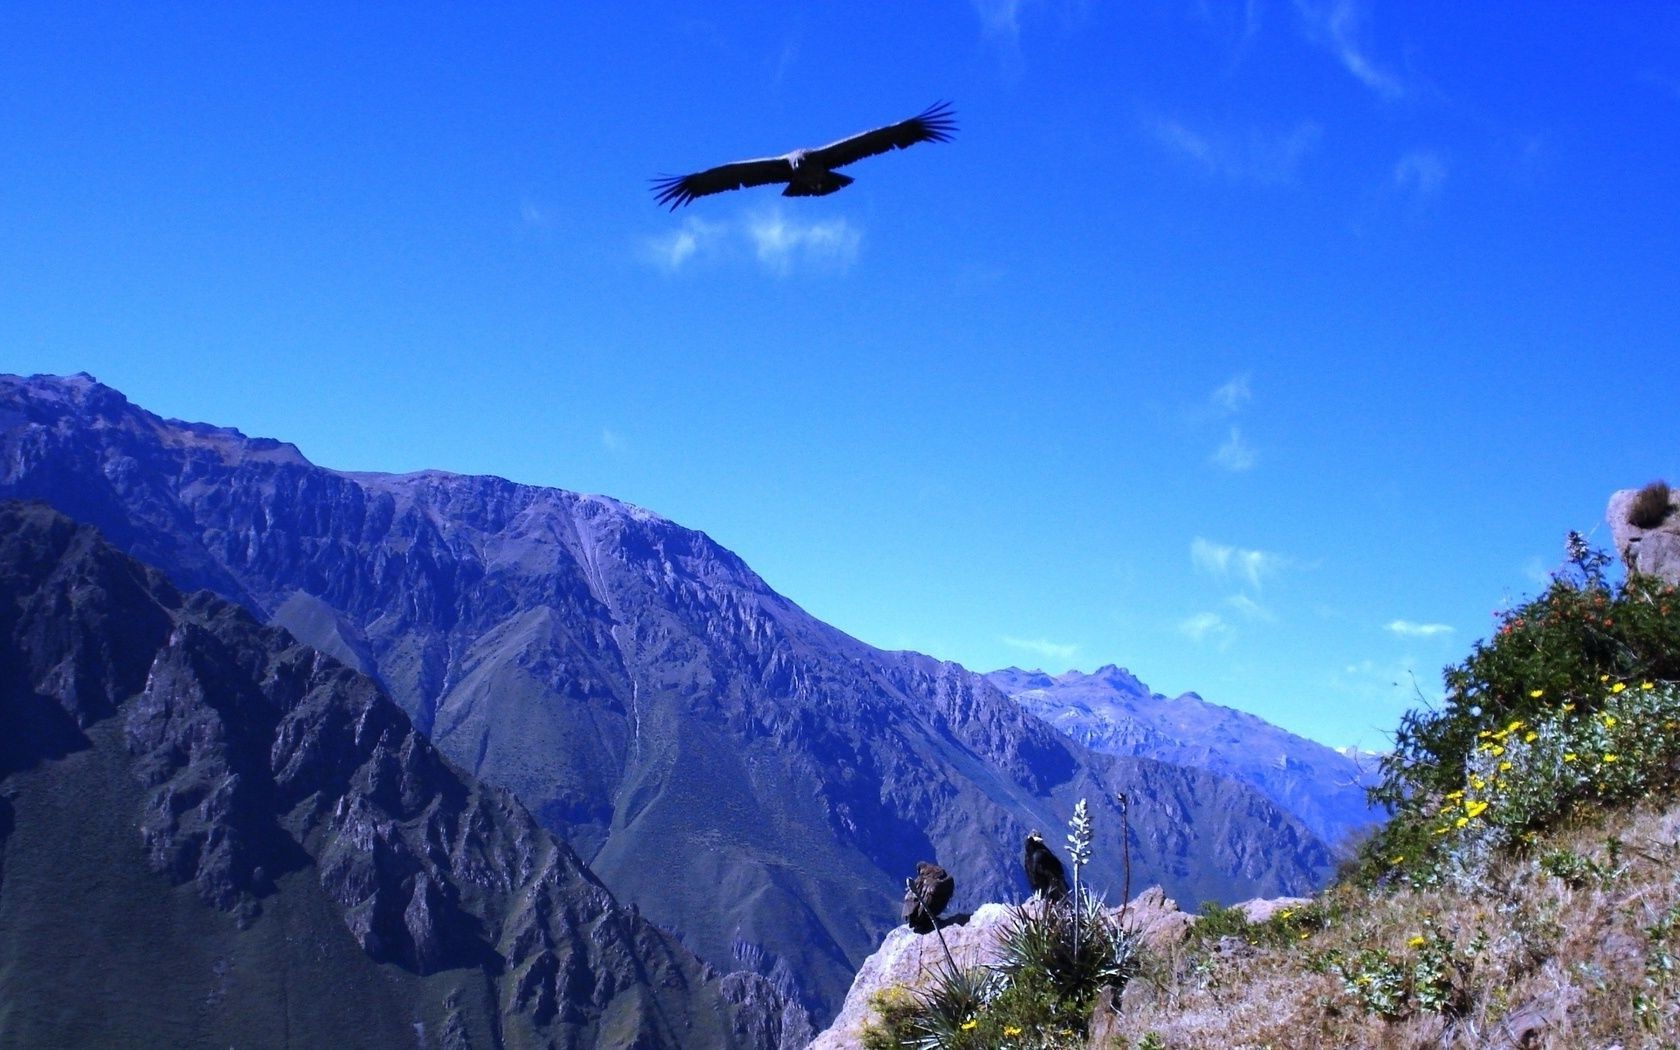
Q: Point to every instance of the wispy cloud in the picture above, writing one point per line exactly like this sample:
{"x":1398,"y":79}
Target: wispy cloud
{"x":1223,"y":561}
{"x":1235,"y":455}
{"x":778,"y":243}
{"x":1233,"y":394}
{"x":1408,"y":629}
{"x":535,"y":215}
{"x":781,"y":243}
{"x":1421,"y":173}
{"x":611,"y":440}
{"x":1001,"y":18}
{"x":1339,"y":27}
{"x":1043,"y":647}
{"x":1251,"y":609}
{"x":1269,"y":158}
{"x":674,"y":250}
{"x":1203,"y":627}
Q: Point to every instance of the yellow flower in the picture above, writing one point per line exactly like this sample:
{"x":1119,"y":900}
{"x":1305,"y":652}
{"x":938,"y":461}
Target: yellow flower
{"x":1504,"y":767}
{"x":1647,"y":685}
{"x":971,"y":1024}
{"x":1011,"y":1030}
{"x":1530,"y":737}
{"x":1609,"y":721}
{"x":1455,"y":795}
{"x":1396,"y":860}
{"x":1304,"y":936}
{"x":1536,"y":693}
{"x":1417,"y":942}
{"x":1618,"y":687}
{"x":1496,"y":751}
{"x":1603,"y":678}
{"x":1474,"y":807}
{"x":1570,"y":756}
{"x":1568,"y":707}
{"x":1612,"y":758}
{"x":1461,"y":821}
{"x":1477,"y":782}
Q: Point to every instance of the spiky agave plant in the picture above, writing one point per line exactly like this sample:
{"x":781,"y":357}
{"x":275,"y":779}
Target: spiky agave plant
{"x":1038,"y":944}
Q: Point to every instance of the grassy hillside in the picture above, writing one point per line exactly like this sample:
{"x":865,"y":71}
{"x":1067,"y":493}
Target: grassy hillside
{"x":1523,"y":894}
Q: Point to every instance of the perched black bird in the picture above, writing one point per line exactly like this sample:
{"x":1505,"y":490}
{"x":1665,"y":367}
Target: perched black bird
{"x":809,"y":172}
{"x":926,"y":895}
{"x":1045,"y":873}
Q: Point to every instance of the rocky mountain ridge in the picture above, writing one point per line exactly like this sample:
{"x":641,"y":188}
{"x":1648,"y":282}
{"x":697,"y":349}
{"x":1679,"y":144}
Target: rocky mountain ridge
{"x":200,"y":783}
{"x":1113,"y":712}
{"x":744,"y":773}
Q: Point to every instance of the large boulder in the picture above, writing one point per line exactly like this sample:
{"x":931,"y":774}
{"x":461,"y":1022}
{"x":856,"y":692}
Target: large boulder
{"x":1653,"y":547}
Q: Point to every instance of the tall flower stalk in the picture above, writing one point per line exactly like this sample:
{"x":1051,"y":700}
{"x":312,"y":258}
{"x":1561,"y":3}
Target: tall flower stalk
{"x":1079,"y":852}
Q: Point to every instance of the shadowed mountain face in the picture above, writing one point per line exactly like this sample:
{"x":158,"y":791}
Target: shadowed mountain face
{"x":213,"y":834}
{"x":745,"y":773}
{"x":1112,"y":712}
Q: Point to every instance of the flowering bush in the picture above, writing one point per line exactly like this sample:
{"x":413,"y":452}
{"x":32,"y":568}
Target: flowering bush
{"x":1573,"y":699}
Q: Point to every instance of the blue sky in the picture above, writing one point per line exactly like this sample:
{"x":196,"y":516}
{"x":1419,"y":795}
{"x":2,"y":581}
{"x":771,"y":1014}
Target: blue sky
{"x":1261,"y":347}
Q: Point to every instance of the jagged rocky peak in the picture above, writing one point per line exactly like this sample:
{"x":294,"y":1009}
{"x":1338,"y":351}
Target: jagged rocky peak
{"x":276,"y":784}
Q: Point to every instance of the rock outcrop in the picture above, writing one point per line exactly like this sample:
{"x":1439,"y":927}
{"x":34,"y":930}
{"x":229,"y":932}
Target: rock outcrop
{"x":1650,"y":545}
{"x":742,"y":772}
{"x":213,"y":834}
{"x":909,"y":960}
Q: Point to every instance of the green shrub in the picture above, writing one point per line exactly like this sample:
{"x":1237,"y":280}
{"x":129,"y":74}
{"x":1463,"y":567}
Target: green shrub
{"x":1572,"y":700}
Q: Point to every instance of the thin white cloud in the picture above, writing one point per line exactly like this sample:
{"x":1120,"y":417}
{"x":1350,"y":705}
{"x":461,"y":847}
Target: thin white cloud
{"x":1339,"y":26}
{"x":1205,"y":626}
{"x":1420,"y":172}
{"x":1235,"y":455}
{"x":1269,"y":158}
{"x":1000,"y":17}
{"x":1043,"y":647}
{"x":1233,"y":394}
{"x":671,"y":251}
{"x":1251,"y":609}
{"x":611,"y":440}
{"x":535,"y":215}
{"x":778,"y":243}
{"x":781,"y":243}
{"x":1224,"y":561}
{"x":1408,"y":629}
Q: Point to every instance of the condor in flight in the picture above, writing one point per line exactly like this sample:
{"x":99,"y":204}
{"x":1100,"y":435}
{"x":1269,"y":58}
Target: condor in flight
{"x":809,"y":172}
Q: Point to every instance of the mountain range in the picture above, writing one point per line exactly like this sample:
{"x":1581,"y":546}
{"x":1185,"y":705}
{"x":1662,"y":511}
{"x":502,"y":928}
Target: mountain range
{"x":1113,"y":712}
{"x":212,"y":834}
{"x":741,"y":772}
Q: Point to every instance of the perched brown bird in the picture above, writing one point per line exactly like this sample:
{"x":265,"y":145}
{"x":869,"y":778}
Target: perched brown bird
{"x":926,"y":895}
{"x":809,"y":172}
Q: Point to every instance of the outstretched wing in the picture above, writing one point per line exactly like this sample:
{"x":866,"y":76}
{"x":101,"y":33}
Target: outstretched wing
{"x":934,"y":124}
{"x":677,"y":190}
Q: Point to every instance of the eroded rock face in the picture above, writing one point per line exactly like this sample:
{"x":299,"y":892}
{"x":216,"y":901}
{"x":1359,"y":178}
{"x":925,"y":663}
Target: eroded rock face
{"x":1653,"y":550}
{"x":260,"y":772}
{"x":742,"y":772}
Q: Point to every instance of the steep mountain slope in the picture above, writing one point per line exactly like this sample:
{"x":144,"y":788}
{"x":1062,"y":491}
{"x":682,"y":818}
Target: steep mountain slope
{"x":1113,"y":712}
{"x":743,"y":772}
{"x":211,"y":834}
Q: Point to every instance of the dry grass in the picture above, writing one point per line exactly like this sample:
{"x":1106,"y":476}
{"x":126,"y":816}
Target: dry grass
{"x":1568,"y":946}
{"x":1649,"y":506}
